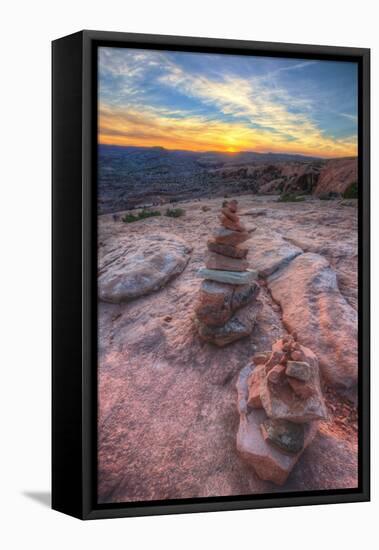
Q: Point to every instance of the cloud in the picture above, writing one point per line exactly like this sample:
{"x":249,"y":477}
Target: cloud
{"x":354,"y":118}
{"x":241,"y":112}
{"x":151,"y":127}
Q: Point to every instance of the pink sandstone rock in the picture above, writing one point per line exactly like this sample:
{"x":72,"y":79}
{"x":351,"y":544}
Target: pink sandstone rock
{"x":225,"y":236}
{"x":232,"y":225}
{"x":283,"y":400}
{"x":237,"y":327}
{"x":218,"y":301}
{"x":217,"y":261}
{"x":227,"y":249}
{"x":229,"y":214}
{"x":269,"y":463}
{"x":312,"y":304}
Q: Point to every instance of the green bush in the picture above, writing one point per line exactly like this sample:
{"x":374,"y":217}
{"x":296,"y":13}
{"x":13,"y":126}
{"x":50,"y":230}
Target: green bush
{"x":175,"y":212}
{"x":351,"y":192}
{"x":130,"y":218}
{"x":290,"y":197}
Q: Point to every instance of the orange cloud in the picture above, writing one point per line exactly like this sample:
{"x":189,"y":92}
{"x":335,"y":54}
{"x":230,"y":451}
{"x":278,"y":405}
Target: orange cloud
{"x":148,"y":127}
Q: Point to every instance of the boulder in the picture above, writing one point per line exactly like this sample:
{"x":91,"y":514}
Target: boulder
{"x":218,"y":301}
{"x":269,"y":462}
{"x":230,"y":277}
{"x":239,"y":326}
{"x":313,"y":306}
{"x":217,"y":261}
{"x":141,"y":265}
{"x":270,"y":252}
{"x":228,"y":249}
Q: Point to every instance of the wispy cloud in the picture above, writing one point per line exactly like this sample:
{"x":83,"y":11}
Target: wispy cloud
{"x":354,"y":118}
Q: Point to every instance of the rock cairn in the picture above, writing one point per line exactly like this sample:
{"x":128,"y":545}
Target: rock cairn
{"x":225,"y":311}
{"x":280,"y":403}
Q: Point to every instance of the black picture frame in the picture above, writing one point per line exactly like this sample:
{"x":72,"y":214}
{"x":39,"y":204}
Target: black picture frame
{"x":74,"y":295}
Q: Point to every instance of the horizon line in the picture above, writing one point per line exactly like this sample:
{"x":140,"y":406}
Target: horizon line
{"x":230,"y":153}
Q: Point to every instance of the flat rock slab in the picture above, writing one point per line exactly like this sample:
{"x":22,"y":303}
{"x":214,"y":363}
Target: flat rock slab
{"x":231,"y":277}
{"x":141,"y":265}
{"x":229,"y":250}
{"x":269,"y":463}
{"x":224,"y":263}
{"x":269,"y":252}
{"x":226,"y":236}
{"x":313,"y":306}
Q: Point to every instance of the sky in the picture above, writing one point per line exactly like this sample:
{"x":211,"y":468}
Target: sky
{"x":228,"y":103}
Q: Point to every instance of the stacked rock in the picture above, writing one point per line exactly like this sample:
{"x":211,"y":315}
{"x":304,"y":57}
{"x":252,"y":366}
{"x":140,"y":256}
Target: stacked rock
{"x":280,"y":403}
{"x":224,"y":312}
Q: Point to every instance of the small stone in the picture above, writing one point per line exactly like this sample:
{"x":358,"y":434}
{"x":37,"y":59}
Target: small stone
{"x":288,"y":436}
{"x":217,"y":261}
{"x":233,"y":205}
{"x":276,"y":374}
{"x":261,"y":358}
{"x":297,"y":355}
{"x":239,"y":326}
{"x":243,"y":294}
{"x":226,"y":236}
{"x":281,"y":401}
{"x":218,"y":301}
{"x":254,"y":382}
{"x":276,"y":357}
{"x":229,"y":214}
{"x":228,"y":249}
{"x":167,"y":318}
{"x":299,"y":369}
{"x":230,"y":277}
{"x":229,"y":224}
{"x":301,"y":389}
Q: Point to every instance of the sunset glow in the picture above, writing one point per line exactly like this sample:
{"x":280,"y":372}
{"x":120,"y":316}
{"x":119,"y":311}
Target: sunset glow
{"x":204,"y":102}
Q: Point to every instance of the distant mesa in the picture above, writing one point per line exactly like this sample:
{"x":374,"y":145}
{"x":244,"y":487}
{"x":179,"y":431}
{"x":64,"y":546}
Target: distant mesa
{"x":130,"y":176}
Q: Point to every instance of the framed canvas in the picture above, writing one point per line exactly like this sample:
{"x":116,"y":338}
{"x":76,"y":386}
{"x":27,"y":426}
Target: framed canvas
{"x":210,"y":275}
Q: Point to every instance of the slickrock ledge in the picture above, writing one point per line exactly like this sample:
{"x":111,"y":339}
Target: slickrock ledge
{"x":313,"y":306}
{"x":271,"y":252}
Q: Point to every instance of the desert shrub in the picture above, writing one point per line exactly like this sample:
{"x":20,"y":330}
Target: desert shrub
{"x":351,"y":192}
{"x":290,"y":197}
{"x":130,"y":218}
{"x":175,"y":212}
